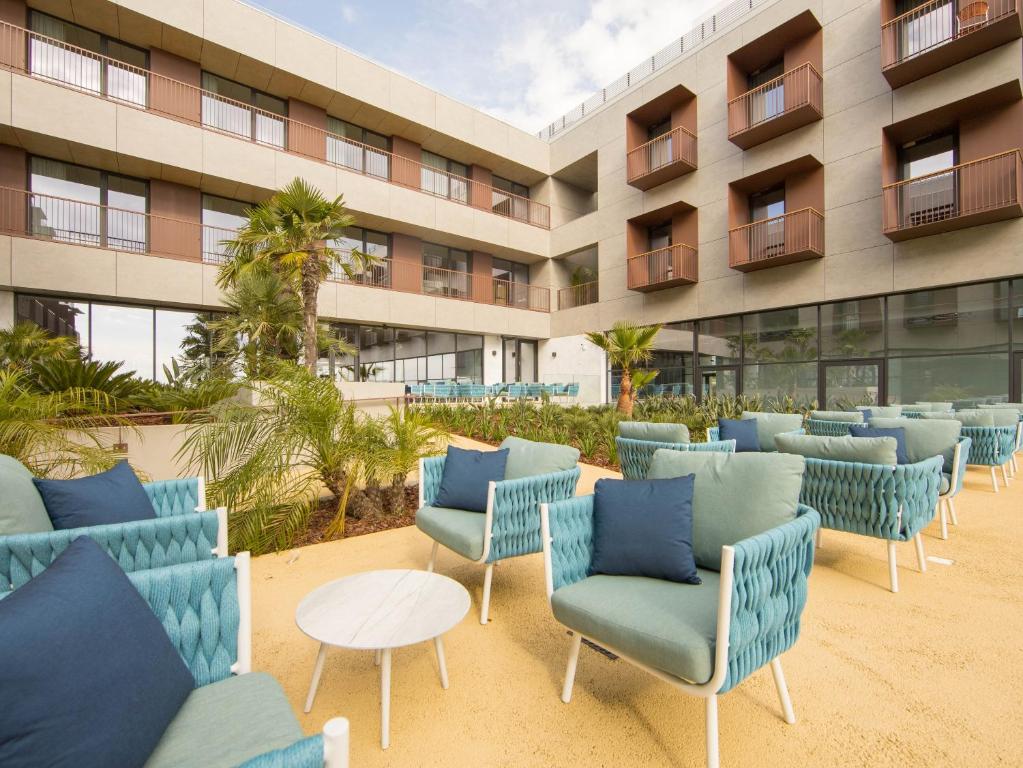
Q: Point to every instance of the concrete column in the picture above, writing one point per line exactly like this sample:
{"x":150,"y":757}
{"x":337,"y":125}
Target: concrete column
{"x":13,"y":178}
{"x":406,"y":162}
{"x":406,"y":263}
{"x":309,"y":137}
{"x":6,"y":310}
{"x":174,"y":91}
{"x":480,"y":194}
{"x":176,"y":225}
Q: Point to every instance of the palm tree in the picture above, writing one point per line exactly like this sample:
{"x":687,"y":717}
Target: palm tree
{"x":293,"y":233}
{"x":26,"y":344}
{"x":626,"y":346}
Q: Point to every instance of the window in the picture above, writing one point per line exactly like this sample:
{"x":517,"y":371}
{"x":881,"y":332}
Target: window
{"x":509,"y":198}
{"x":85,"y":206}
{"x":221,"y":219}
{"x":444,"y":178}
{"x":852,"y":329}
{"x":769,"y":101}
{"x":768,"y":204}
{"x":924,"y":24}
{"x":969,"y":318}
{"x":780,"y":336}
{"x":376,"y":354}
{"x":244,"y":111}
{"x":446,"y":271}
{"x":371,"y":243}
{"x":123,"y":79}
{"x":61,"y":317}
{"x":659,"y":237}
{"x":930,"y":194}
{"x":414,"y":355}
{"x":720,"y":340}
{"x":672,"y":357}
{"x":511,"y":283}
{"x":962,"y":379}
{"x":358,"y":149}
{"x":768,"y":207}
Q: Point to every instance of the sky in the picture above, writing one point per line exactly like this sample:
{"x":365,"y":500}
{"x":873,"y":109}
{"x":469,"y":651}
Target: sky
{"x":524,"y":61}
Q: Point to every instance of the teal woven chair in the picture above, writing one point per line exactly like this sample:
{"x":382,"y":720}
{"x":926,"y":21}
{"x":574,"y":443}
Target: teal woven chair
{"x":183,"y":531}
{"x":994,"y":433}
{"x":511,"y":525}
{"x":952,"y":484}
{"x":703,"y":639}
{"x":857,"y":487}
{"x":637,"y":441}
{"x":769,"y":425}
{"x":1018,"y":408}
{"x":572,"y":390}
{"x":832,"y":423}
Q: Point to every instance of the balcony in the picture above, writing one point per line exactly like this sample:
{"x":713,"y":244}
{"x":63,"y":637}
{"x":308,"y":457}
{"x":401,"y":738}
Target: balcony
{"x":578,"y":295}
{"x":45,"y":217}
{"x":663,"y":268}
{"x":79,"y":69}
{"x":786,"y":239}
{"x":662,"y":159}
{"x":942,"y":33}
{"x":978,"y":192}
{"x":781,"y":105}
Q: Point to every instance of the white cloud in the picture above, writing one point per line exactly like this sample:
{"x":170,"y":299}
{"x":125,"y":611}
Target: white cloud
{"x":348,"y":13}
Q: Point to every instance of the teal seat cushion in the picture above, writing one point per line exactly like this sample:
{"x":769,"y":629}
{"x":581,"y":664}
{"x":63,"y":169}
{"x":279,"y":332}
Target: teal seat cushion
{"x":735,"y":495}
{"x":945,"y":484}
{"x":665,"y":625}
{"x":976,"y":417}
{"x":926,"y":438}
{"x":882,"y":411}
{"x":526,"y":458}
{"x":457,"y":529}
{"x":865,"y":450}
{"x":771,"y":424}
{"x":654,"y":432}
{"x":853,"y":417}
{"x":226,"y":723}
{"x":21,"y":506}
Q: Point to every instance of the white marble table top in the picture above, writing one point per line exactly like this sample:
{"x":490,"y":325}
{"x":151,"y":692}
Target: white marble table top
{"x":382,"y":609}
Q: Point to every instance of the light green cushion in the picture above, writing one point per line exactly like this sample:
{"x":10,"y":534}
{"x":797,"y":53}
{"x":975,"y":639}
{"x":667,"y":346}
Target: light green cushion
{"x":1001,"y":417}
{"x":457,"y":529}
{"x":852,"y":417}
{"x":771,"y":424}
{"x":669,"y":626}
{"x":865,"y":450}
{"x":926,"y":438}
{"x":945,"y":484}
{"x":882,"y":411}
{"x":227,"y":723}
{"x":660,"y":432}
{"x":925,"y":406}
{"x":526,"y":458}
{"x":1018,"y":407}
{"x":735,"y":495}
{"x":937,"y":415}
{"x":976,"y":417}
{"x":21,"y":506}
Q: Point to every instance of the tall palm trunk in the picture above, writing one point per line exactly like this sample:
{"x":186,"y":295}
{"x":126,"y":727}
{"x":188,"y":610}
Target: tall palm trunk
{"x":625,"y":393}
{"x":310,"y":296}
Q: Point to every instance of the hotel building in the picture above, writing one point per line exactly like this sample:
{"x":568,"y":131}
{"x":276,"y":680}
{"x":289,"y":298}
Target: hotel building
{"x":822,"y":199}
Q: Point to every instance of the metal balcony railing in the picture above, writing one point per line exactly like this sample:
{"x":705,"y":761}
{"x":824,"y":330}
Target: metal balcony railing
{"x":785,"y":238}
{"x":974,"y":188}
{"x":934,"y":24}
{"x":82,"y":70}
{"x":578,"y":295}
{"x":797,"y":88}
{"x":671,"y":265}
{"x":676,"y":146}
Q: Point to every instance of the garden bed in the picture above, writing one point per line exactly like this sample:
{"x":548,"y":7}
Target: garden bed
{"x":315,"y":531}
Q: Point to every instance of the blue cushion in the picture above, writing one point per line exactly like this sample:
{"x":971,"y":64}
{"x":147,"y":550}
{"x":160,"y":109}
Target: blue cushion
{"x":467,"y":476}
{"x":742,"y":431}
{"x":89,"y":676}
{"x":644,"y":528}
{"x":867,"y":414}
{"x":114,"y":496}
{"x":862,"y":430}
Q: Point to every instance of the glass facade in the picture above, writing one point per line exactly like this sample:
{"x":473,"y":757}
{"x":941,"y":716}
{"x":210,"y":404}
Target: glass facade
{"x":371,"y":243}
{"x":243,"y":111}
{"x":221,"y":219}
{"x":962,"y":343}
{"x":447,"y":271}
{"x":443,"y":177}
{"x":358,"y":149}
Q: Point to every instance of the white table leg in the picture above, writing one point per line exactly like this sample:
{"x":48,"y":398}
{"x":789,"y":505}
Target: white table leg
{"x":385,"y":698}
{"x":376,"y":658}
{"x":439,"y":645}
{"x":316,"y":677}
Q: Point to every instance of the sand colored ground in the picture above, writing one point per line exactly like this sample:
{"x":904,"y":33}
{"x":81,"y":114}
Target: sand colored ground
{"x":931,"y":676}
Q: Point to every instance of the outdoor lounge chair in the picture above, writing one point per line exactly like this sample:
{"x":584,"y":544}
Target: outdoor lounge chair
{"x":1018,"y":407}
{"x":857,"y":487}
{"x":511,"y":525}
{"x":952,"y":484}
{"x":183,"y":531}
{"x":994,"y":432}
{"x":768,"y":425}
{"x":832,"y":423}
{"x":704,"y":639}
{"x":638,"y":440}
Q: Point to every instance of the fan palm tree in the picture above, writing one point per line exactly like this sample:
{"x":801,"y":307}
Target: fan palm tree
{"x":27,"y":344}
{"x":626,"y":345}
{"x":293,"y":233}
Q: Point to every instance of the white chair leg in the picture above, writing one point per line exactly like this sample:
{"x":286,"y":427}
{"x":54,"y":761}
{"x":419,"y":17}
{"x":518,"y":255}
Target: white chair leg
{"x":893,"y":573}
{"x":783,"y":690}
{"x":317,"y":671}
{"x":376,"y":658}
{"x":433,"y":557}
{"x":385,"y":699}
{"x":944,"y":518}
{"x":442,"y":666}
{"x":952,"y":510}
{"x":573,"y":662}
{"x":994,"y":480}
{"x":921,"y":558}
{"x":818,"y":538}
{"x":713,"y":760}
{"x":1005,"y":476}
{"x":488,"y":579}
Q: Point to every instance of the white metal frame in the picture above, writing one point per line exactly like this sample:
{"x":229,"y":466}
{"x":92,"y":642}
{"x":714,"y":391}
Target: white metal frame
{"x":946,"y":507}
{"x":336,"y":737}
{"x":221,"y":549}
{"x":488,"y":534}
{"x":708,"y":690}
{"x":201,"y":495}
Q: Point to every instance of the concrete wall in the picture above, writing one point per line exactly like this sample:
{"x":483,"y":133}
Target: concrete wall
{"x":574,"y":359}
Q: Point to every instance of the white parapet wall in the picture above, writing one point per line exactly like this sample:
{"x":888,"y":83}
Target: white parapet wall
{"x":574,"y":359}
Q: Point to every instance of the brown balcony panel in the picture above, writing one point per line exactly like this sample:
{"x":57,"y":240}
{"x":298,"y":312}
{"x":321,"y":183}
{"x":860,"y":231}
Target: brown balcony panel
{"x":787,"y":239}
{"x":578,"y":295}
{"x":663,"y":268}
{"x":662,"y":159}
{"x":967,"y":195}
{"x":941,"y":34}
{"x":791,"y":101}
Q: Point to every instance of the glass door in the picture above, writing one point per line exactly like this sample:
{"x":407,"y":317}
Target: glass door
{"x":1017,"y":377}
{"x":719,"y":381}
{"x":520,"y":360}
{"x":851,"y":383}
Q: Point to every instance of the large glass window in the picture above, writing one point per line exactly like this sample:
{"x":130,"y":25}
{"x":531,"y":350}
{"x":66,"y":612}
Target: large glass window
{"x":358,"y":149}
{"x":376,"y":354}
{"x":244,"y":111}
{"x":371,"y":243}
{"x":852,"y":329}
{"x":86,"y":206}
{"x":221,"y":219}
{"x":511,"y":283}
{"x":720,"y":341}
{"x":509,"y":198}
{"x":962,"y":379}
{"x":776,"y":381}
{"x":780,"y":336}
{"x":446,"y":271}
{"x":769,"y":101}
{"x":52,"y":55}
{"x":924,"y":24}
{"x":969,"y":318}
{"x":61,"y":317}
{"x":1017,"y":314}
{"x":444,"y":178}
{"x":931,"y":193}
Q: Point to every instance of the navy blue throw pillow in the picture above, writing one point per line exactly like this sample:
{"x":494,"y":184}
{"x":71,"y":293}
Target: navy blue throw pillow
{"x":862,"y":430}
{"x":867,"y":414}
{"x":114,"y":496}
{"x":644,"y":528}
{"x":742,"y":431}
{"x":467,"y":476}
{"x":89,"y":676}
